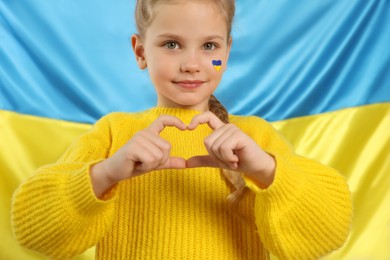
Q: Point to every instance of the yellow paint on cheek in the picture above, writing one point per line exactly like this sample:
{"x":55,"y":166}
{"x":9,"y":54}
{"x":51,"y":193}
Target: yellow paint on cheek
{"x":217,"y":68}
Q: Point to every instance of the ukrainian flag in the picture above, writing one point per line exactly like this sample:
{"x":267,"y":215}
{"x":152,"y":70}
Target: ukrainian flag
{"x":318,"y":70}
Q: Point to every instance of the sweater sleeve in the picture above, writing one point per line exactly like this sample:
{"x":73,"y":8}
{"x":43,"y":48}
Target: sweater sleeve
{"x":306,"y":212}
{"x":55,"y":212}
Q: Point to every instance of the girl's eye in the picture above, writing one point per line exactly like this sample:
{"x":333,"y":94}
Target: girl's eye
{"x":209,"y":46}
{"x":171,"y":45}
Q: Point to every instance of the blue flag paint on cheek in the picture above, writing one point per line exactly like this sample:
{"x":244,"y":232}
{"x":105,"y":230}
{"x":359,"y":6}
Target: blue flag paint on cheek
{"x":217,"y":64}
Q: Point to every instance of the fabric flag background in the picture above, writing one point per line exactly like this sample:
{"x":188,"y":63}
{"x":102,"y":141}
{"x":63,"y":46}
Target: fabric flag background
{"x":318,"y":70}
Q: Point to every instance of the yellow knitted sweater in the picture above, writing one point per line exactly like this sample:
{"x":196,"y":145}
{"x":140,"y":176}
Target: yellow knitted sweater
{"x":180,"y":214}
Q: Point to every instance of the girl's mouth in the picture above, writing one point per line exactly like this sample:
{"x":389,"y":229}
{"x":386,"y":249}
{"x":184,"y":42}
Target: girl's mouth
{"x":189,"y":84}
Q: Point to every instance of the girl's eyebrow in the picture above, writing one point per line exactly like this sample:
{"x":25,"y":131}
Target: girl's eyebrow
{"x":178,"y":37}
{"x":170,"y":36}
{"x":215,"y":37}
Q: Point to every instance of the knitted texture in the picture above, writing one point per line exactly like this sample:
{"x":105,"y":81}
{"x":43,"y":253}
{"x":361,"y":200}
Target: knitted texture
{"x":180,"y":214}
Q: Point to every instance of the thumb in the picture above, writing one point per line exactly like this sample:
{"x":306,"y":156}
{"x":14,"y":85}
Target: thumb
{"x":173,"y":163}
{"x":201,"y":161}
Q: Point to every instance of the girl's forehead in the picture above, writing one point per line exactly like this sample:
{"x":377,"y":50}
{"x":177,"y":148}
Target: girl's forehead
{"x":200,"y":8}
{"x":188,"y":14}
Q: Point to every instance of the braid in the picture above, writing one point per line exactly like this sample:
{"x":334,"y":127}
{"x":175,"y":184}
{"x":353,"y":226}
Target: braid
{"x":233,"y":180}
{"x":218,"y":109}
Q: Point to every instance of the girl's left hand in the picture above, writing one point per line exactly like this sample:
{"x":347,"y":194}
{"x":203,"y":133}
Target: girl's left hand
{"x":230,"y":148}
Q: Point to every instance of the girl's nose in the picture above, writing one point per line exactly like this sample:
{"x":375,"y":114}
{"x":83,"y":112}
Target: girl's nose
{"x":190,"y":63}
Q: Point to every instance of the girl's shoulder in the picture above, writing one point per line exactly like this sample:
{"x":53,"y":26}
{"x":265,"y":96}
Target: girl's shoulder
{"x":120,"y":119}
{"x":120,"y":115}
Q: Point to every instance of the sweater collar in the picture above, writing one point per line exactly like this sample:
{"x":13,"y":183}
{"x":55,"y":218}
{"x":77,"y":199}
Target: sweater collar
{"x":183,"y":114}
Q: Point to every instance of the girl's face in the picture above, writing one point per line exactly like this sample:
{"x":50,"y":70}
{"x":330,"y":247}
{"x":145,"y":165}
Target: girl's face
{"x":178,"y":49}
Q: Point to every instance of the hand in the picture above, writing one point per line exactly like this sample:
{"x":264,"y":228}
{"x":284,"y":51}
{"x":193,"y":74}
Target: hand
{"x":230,"y":148}
{"x":146,"y":151}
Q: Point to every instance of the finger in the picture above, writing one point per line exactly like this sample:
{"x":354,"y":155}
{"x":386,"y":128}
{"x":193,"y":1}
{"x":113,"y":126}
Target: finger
{"x":208,"y":161}
{"x":215,"y":143}
{"x":225,"y":145}
{"x":148,"y":151}
{"x":210,"y":140}
{"x":156,"y":155}
{"x":146,"y":161}
{"x":161,"y":122}
{"x":170,"y":163}
{"x":202,"y":161}
{"x":223,"y":163}
{"x":173,"y":163}
{"x":206,"y":118}
{"x":154,"y":142}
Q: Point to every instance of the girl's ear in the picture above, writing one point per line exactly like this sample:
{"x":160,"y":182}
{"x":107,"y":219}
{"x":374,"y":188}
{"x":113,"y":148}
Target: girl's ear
{"x":139,"y":51}
{"x":229,"y":45}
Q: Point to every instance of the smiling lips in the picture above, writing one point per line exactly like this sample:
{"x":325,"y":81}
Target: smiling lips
{"x":189,"y":84}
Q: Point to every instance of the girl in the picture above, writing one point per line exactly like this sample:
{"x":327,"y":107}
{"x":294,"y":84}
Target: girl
{"x":148,"y":185}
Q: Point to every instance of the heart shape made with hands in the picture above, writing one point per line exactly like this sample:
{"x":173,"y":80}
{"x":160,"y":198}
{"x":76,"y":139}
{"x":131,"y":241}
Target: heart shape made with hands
{"x":227,"y":146}
{"x":218,"y":158}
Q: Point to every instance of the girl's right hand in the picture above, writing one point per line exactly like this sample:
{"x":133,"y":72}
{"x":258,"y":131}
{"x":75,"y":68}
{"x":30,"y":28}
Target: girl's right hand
{"x":144,"y":152}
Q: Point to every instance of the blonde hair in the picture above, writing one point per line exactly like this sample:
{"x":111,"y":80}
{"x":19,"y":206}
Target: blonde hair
{"x":233,"y":179}
{"x":144,"y":13}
